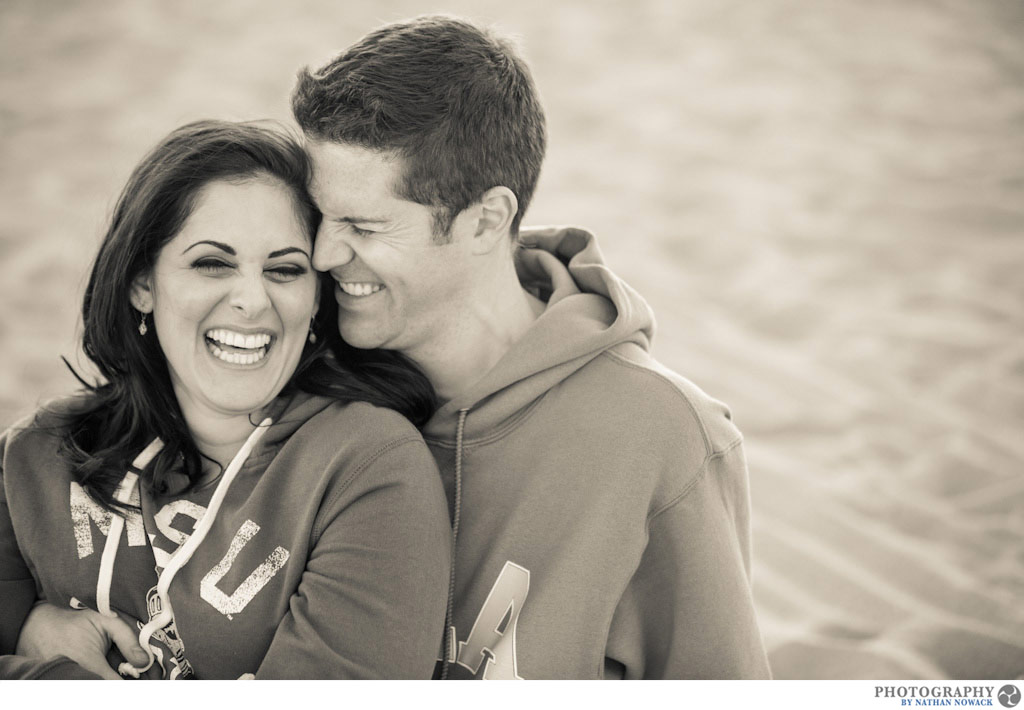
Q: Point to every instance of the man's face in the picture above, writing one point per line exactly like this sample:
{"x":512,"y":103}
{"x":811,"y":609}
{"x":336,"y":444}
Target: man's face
{"x":396,"y":288}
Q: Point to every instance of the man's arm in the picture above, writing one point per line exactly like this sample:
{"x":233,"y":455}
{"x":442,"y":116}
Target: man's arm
{"x":688,"y":611}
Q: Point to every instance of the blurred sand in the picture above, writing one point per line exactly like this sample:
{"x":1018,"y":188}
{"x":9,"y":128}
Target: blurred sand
{"x":823,"y":202}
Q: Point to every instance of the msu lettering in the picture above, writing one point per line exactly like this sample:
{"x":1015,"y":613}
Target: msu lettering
{"x":88,"y":517}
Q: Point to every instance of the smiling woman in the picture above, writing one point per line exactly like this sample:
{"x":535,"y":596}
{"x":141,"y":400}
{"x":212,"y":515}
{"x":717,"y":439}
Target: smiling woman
{"x":233,"y":297}
{"x":251,"y":477}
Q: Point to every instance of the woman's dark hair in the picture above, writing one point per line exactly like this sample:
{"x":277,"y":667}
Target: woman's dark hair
{"x":135,"y":402}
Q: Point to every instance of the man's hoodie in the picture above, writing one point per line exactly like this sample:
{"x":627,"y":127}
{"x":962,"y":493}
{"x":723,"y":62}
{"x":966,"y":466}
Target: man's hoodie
{"x":600,"y":501}
{"x":321,"y":552}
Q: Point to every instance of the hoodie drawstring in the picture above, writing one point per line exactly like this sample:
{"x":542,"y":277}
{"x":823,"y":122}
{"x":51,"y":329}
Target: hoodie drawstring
{"x":122,"y":495}
{"x":449,"y":640}
{"x":184,"y":553}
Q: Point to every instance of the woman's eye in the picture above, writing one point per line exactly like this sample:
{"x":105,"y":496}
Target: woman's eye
{"x":283,"y":274}
{"x":360,"y":232}
{"x":210,"y":266}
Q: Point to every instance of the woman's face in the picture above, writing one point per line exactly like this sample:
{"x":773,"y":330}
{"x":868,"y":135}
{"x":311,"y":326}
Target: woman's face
{"x":232,"y":296}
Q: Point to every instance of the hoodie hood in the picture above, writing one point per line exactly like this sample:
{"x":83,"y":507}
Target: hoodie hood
{"x":289,"y":412}
{"x":589,"y":310}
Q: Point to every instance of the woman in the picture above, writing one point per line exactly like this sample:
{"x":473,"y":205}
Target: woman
{"x":241,"y":488}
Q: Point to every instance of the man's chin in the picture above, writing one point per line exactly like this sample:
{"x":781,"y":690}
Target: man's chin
{"x":362,"y":338}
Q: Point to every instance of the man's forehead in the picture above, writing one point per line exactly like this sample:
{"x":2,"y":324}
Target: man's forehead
{"x":331,"y":158}
{"x":344,"y":173}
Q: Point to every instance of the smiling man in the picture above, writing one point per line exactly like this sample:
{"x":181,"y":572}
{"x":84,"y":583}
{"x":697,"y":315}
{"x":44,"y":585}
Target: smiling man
{"x":599,"y":501}
{"x":446,"y":297}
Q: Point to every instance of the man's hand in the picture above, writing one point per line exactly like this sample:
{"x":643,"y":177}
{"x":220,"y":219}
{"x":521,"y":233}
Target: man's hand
{"x":83,"y":636}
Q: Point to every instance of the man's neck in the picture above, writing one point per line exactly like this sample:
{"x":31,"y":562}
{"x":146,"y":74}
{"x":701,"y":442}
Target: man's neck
{"x":486,"y":329}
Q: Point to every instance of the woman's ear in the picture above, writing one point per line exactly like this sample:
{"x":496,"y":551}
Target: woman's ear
{"x":142,"y":294}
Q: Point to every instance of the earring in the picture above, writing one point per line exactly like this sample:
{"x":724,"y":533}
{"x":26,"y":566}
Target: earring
{"x":312,"y":336}
{"x":142,"y":325}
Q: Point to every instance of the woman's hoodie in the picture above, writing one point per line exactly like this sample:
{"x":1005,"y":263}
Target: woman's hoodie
{"x":326,"y":556}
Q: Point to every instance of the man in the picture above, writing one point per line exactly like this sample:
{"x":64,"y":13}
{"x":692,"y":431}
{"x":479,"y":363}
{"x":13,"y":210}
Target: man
{"x":599,"y":501}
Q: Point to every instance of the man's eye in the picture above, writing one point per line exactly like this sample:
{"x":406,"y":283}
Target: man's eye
{"x":210,"y":266}
{"x":283,"y":274}
{"x":360,"y":232}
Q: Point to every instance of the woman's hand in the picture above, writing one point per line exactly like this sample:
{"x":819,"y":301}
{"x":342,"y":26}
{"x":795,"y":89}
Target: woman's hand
{"x":84,"y":636}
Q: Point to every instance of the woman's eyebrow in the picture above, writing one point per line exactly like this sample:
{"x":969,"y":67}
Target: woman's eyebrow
{"x":230,"y":250}
{"x":288,"y":250}
{"x":219,"y":245}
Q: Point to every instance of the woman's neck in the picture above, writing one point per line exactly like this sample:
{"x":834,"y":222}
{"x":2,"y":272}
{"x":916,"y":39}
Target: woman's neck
{"x":220,"y":446}
{"x":217,"y":435}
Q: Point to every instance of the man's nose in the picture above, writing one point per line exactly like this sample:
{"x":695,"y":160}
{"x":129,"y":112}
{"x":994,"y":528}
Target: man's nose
{"x":249,"y":296}
{"x":331,"y":250}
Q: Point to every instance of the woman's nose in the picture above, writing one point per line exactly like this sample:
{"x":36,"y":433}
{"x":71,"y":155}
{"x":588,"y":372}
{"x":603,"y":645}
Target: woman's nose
{"x":250,"y":297}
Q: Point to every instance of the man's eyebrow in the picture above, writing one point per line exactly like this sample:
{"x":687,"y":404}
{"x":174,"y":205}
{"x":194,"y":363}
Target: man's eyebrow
{"x":219,"y":245}
{"x":288,"y":250}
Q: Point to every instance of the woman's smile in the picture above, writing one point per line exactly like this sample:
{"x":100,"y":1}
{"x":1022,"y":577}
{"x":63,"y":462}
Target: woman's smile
{"x":237,"y":348}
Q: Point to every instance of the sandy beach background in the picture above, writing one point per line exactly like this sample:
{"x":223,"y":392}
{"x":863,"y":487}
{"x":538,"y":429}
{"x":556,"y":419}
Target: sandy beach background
{"x":823,"y":201}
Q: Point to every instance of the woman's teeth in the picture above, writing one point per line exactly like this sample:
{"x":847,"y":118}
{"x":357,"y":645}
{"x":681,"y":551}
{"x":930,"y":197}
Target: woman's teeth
{"x":237,"y":348}
{"x":238,"y":358}
{"x":238,"y":340}
{"x":359,"y":289}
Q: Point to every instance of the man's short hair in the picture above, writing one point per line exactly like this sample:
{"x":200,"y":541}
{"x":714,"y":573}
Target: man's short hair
{"x":453,"y":100}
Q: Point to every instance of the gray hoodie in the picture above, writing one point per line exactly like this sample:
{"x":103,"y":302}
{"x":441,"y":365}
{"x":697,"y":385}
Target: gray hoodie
{"x":600,"y":501}
{"x":326,"y":557}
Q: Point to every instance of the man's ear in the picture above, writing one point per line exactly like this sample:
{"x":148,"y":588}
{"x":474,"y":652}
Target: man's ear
{"x":495,"y":212}
{"x":142,"y":294}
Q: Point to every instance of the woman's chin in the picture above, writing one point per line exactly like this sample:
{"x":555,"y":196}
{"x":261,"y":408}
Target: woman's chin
{"x":246,"y":390}
{"x":232,"y":388}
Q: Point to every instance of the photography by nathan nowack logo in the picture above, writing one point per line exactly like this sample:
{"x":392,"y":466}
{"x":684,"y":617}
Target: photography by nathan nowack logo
{"x":1009,"y":696}
{"x":942,"y":695}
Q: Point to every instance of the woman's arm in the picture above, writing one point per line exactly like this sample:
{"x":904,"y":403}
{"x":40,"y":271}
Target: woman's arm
{"x":372,"y":599}
{"x":57,"y":668}
{"x":82,"y":635}
{"x":41,"y":631}
{"x":17,"y":586}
